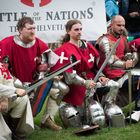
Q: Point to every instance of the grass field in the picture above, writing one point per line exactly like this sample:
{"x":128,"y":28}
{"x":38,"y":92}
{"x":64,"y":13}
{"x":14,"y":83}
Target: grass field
{"x":129,"y":132}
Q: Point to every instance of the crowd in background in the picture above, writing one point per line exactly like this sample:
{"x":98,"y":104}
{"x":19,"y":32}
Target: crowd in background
{"x":130,"y":10}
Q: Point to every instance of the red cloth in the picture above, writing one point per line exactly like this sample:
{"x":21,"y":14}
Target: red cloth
{"x":109,"y":72}
{"x":5,"y":72}
{"x":77,"y":92}
{"x":23,"y":60}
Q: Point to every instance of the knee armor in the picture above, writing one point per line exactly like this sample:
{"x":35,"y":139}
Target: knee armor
{"x":97,"y":113}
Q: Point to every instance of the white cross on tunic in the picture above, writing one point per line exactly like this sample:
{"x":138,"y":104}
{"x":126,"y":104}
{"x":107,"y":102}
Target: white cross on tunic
{"x":134,"y":46}
{"x":91,"y":58}
{"x":62,"y":58}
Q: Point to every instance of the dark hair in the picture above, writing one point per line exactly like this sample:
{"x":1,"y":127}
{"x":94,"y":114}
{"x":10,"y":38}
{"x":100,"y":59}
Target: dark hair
{"x":21,"y":23}
{"x":68,"y":27}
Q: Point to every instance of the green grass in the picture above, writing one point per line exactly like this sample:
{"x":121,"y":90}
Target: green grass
{"x":129,"y":132}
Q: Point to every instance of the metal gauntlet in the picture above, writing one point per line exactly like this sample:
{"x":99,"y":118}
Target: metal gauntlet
{"x":132,"y":56}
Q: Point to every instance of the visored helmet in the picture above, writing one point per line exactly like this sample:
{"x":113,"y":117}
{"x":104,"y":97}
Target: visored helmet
{"x":70,"y":116}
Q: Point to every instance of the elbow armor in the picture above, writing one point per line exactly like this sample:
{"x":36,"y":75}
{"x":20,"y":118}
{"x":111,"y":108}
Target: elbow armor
{"x":59,"y":90}
{"x":73,"y":78}
{"x":61,"y":86}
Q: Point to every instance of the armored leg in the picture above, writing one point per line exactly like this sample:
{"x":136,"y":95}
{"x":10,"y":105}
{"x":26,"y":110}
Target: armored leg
{"x":113,"y":112}
{"x":96,"y":113}
{"x":57,"y":92}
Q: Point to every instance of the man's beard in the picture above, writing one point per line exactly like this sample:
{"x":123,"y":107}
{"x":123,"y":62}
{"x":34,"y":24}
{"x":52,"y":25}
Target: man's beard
{"x":116,"y":34}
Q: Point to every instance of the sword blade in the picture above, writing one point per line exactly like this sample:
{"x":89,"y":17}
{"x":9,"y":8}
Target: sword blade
{"x":106,"y":60}
{"x":50,"y":76}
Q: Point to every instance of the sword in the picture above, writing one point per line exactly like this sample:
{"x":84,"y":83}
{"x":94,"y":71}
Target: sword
{"x":49,"y":76}
{"x":106,"y":60}
{"x":90,"y":92}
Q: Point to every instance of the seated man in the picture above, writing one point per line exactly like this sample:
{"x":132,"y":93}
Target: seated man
{"x":122,"y":59}
{"x":77,"y":80}
{"x":14,"y":105}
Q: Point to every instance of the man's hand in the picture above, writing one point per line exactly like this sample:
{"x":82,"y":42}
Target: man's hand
{"x":103,"y":80}
{"x":4,"y":104}
{"x":133,"y":14}
{"x":58,"y":77}
{"x":43,"y":67}
{"x":90,"y":84}
{"x":20,"y":92}
{"x":129,"y":64}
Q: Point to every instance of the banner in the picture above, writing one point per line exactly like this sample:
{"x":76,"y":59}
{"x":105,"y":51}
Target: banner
{"x":50,"y":17}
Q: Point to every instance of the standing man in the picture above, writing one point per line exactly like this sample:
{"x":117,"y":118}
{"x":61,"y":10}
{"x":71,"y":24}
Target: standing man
{"x":122,"y":59}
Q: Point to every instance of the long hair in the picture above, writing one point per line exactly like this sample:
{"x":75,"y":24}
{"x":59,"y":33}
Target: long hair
{"x":68,"y":27}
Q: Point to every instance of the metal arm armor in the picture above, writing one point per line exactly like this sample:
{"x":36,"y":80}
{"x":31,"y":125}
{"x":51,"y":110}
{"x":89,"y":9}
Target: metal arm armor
{"x":118,"y":63}
{"x":135,"y":58}
{"x":64,"y":89}
{"x":73,"y":78}
{"x":105,"y":48}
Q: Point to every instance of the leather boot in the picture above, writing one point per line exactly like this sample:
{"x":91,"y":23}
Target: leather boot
{"x":49,"y":123}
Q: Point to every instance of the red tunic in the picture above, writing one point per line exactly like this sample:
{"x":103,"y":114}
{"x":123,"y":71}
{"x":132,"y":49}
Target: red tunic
{"x":77,"y":92}
{"x":110,"y":72}
{"x":23,"y":60}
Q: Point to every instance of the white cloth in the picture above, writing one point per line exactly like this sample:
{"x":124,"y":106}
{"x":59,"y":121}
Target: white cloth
{"x":135,"y":116}
{"x":26,"y":124}
{"x":52,"y":106}
{"x":5,"y":132}
{"x":7,"y":89}
{"x":53,"y":58}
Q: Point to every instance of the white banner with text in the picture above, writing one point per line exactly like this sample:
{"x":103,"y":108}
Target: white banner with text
{"x":50,"y":17}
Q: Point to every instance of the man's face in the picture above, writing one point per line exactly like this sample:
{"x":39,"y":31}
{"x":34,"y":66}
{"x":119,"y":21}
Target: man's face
{"x":75,"y":32}
{"x":27,"y":34}
{"x":118,"y":27}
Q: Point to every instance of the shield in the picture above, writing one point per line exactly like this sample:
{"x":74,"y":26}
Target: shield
{"x":40,"y":96}
{"x":43,"y":86}
{"x":87,"y":130}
